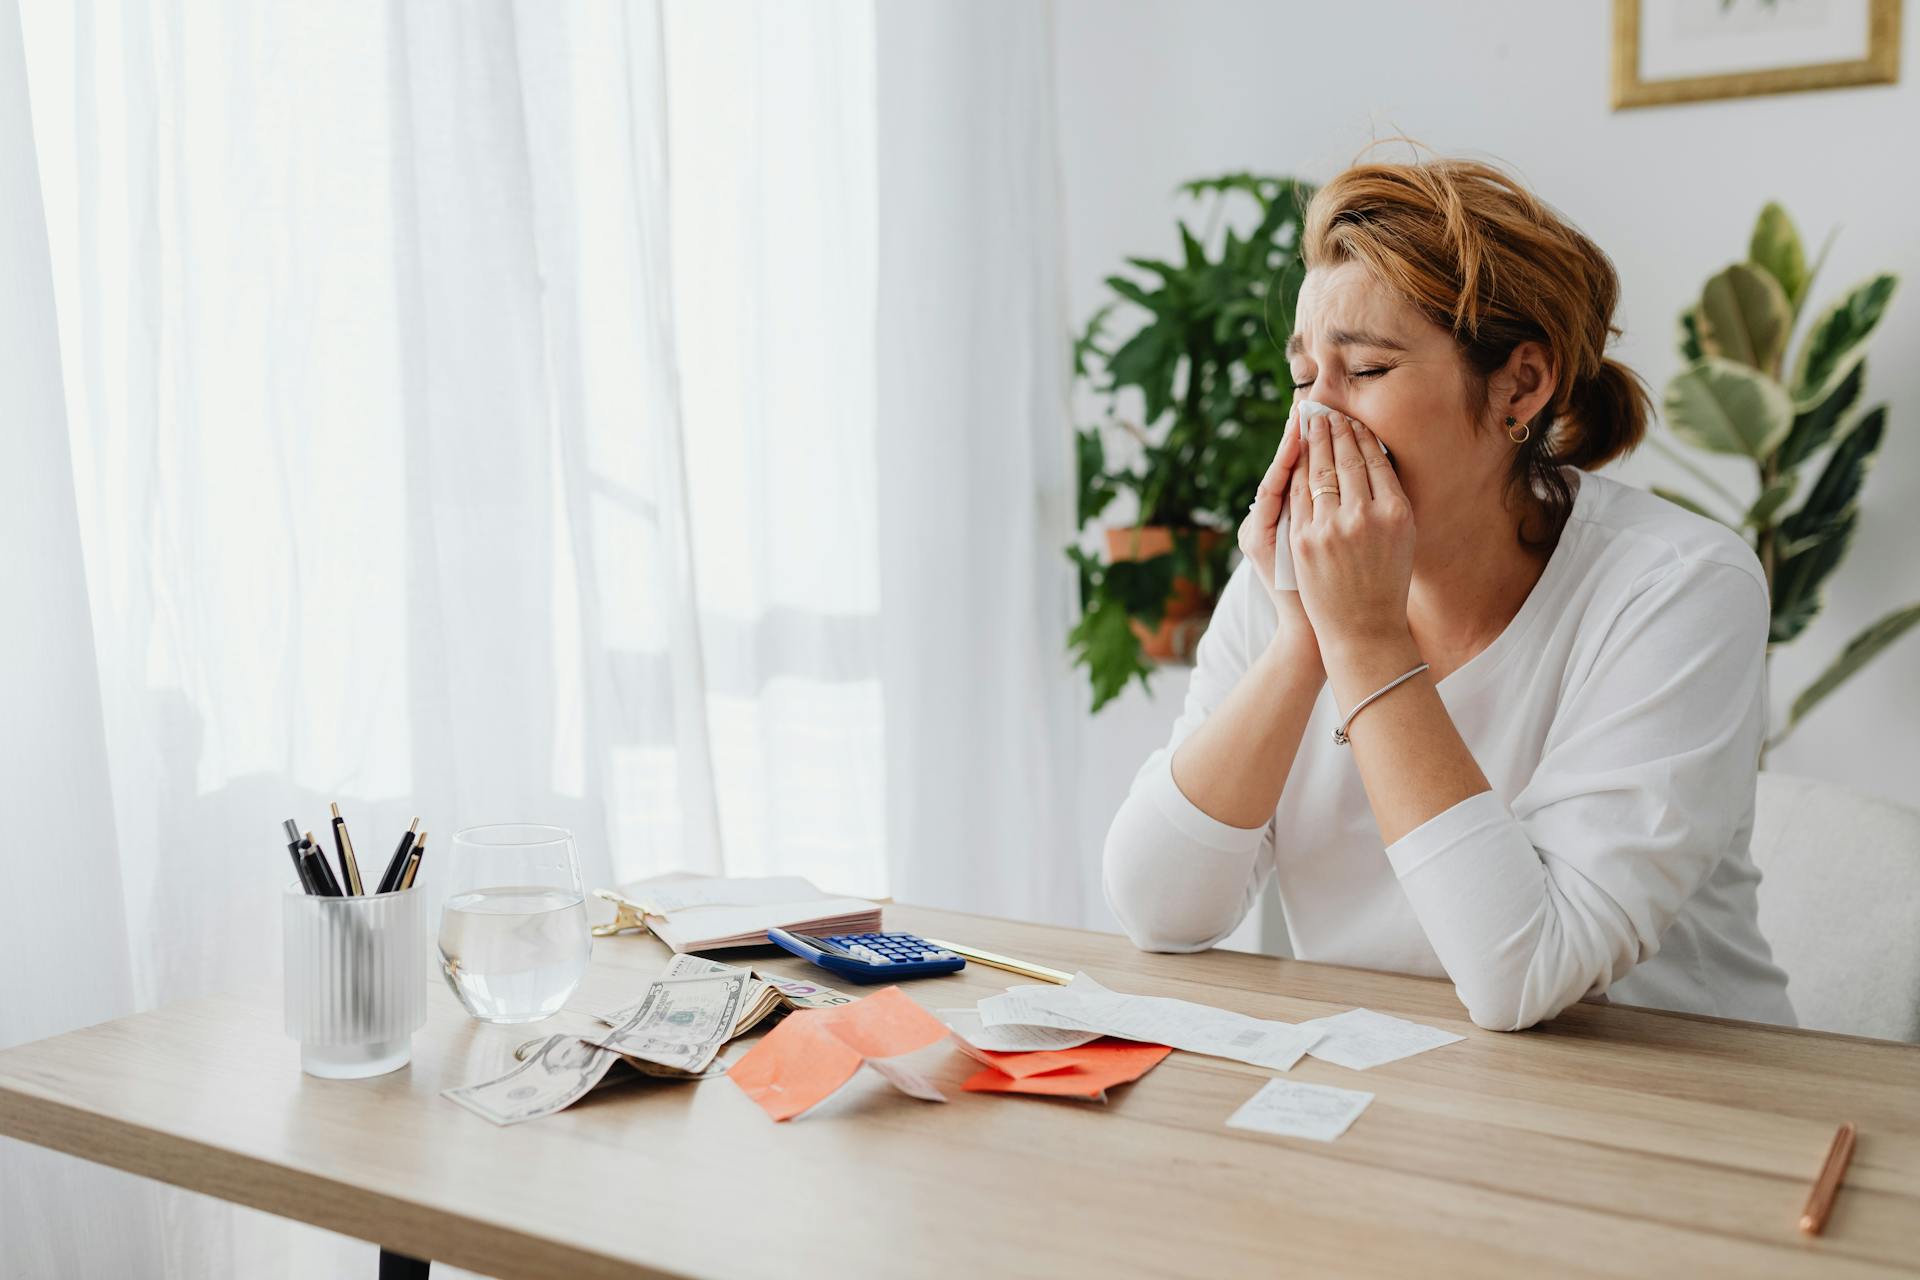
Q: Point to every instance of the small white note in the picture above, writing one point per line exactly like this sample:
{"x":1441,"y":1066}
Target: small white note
{"x":1361,"y":1038}
{"x":1295,"y":1110}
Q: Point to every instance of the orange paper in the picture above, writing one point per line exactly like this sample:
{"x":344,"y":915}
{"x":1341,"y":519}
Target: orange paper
{"x":814,"y":1051}
{"x":1086,"y":1072}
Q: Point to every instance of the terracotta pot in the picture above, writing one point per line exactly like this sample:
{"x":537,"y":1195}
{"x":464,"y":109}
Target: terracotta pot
{"x":1187,"y":612}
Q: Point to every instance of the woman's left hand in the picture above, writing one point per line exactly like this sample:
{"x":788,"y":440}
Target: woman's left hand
{"x":1352,"y":549}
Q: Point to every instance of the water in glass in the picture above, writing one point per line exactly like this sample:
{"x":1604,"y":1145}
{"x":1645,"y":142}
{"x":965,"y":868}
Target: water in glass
{"x":514,"y":938}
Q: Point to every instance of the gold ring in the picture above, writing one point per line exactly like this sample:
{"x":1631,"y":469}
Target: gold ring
{"x":1325,"y":488}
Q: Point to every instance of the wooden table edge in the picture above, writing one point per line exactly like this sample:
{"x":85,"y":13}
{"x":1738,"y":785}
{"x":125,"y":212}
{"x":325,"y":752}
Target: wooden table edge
{"x":425,"y":1231}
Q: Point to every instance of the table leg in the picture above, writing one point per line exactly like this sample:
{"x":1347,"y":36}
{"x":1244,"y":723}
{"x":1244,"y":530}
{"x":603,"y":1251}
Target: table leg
{"x":398,"y":1266}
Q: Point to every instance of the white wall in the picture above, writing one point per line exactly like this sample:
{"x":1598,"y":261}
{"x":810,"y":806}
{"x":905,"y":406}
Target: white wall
{"x":1153,"y":92}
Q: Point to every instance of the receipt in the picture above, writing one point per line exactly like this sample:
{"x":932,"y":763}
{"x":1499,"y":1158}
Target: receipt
{"x":1011,"y":1037}
{"x":1197,"y":1028}
{"x":1361,"y":1038}
{"x":906,"y":1079}
{"x":1295,"y":1110}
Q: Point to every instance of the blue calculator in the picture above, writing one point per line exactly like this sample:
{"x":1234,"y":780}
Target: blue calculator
{"x":870,"y":957}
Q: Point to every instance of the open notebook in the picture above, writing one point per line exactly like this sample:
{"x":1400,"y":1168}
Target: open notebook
{"x":706,"y":913}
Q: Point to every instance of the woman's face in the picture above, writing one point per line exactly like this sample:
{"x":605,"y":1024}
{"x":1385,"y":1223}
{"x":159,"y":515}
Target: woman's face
{"x":1360,"y":349}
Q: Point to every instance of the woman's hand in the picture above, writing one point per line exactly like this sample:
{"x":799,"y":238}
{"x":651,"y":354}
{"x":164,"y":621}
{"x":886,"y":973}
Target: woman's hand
{"x":1352,"y":545}
{"x":1258,"y":543}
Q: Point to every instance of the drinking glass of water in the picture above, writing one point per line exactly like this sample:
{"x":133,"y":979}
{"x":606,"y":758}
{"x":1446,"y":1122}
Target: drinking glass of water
{"x":514,"y":940}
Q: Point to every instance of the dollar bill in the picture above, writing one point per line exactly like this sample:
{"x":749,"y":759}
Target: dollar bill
{"x":673,"y":1032}
{"x":680,"y":965}
{"x":765,"y":996}
{"x":559,"y":1072}
{"x":681,"y":1022}
{"x":759,"y":1002}
{"x":801,"y":994}
{"x":527,"y":1048}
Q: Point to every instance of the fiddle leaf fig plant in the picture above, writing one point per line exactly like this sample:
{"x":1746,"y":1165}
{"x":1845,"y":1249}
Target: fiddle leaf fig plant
{"x":1200,"y":359}
{"x":1740,"y":395}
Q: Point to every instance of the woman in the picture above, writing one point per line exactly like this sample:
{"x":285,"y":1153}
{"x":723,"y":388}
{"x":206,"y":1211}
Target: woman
{"x":1548,"y":792}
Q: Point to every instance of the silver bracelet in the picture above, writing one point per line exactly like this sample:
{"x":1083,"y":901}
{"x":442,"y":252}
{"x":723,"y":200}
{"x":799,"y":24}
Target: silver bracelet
{"x":1340,"y":734}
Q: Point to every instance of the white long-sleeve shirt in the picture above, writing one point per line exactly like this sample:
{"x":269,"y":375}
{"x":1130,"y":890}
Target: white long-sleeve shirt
{"x":1618,"y":720}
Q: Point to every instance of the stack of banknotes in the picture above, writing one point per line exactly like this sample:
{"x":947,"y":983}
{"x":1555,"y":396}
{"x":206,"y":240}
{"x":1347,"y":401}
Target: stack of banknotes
{"x":674,"y":1031}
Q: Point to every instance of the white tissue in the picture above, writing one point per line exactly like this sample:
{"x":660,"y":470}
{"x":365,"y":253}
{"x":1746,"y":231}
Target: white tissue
{"x":1283,"y":579}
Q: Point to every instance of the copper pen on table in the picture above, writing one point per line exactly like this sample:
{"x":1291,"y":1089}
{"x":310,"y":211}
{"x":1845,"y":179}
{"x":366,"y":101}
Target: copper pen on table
{"x":1813,"y":1219}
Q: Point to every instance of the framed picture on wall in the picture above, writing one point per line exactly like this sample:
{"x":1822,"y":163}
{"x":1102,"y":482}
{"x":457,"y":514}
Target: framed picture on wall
{"x":1667,"y":51}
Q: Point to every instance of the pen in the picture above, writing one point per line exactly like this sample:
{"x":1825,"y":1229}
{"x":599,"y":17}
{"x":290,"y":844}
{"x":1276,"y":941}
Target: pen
{"x":295,"y":849}
{"x":413,"y":861}
{"x":1820,"y":1202}
{"x":397,"y":865}
{"x":1022,"y":967}
{"x":317,"y":869}
{"x":343,"y":847}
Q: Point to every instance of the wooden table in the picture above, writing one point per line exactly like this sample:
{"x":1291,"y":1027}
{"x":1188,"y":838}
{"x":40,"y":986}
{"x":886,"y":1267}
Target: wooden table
{"x":1613,"y":1141}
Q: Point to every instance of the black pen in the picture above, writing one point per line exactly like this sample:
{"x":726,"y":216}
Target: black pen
{"x":317,"y":868}
{"x":397,"y":865}
{"x":296,"y":848}
{"x":343,"y":848}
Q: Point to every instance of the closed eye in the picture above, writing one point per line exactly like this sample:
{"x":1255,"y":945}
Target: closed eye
{"x":1357,"y":373}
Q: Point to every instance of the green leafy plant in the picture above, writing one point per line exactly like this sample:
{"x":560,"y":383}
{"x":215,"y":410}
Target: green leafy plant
{"x":1739,"y":395}
{"x":1214,"y":384}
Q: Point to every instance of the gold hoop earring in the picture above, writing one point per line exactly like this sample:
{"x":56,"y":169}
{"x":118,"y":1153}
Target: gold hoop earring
{"x":1526,"y":432}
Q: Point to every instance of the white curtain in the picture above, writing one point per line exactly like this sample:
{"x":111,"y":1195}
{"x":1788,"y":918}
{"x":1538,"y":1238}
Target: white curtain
{"x":64,"y":959}
{"x":645,"y":418}
{"x":984,"y":713}
{"x":772,"y":128}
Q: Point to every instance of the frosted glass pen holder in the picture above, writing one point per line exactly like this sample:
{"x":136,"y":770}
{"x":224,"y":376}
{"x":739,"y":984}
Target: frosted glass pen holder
{"x":355,"y":980}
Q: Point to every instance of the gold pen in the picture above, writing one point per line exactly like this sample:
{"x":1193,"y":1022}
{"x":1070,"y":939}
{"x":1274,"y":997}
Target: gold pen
{"x":1022,"y":967}
{"x":343,"y":847}
{"x":413,"y":861}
